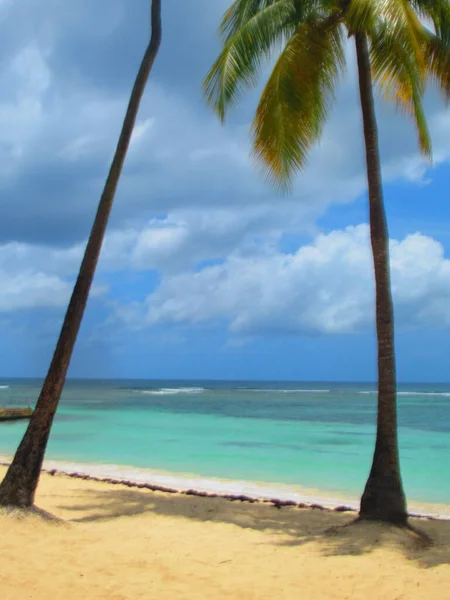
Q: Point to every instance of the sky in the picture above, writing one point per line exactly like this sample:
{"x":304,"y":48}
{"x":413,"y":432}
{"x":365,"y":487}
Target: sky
{"x":206,"y":271}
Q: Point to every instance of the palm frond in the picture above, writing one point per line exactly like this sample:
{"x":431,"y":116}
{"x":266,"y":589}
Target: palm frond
{"x":295,"y":102}
{"x":437,"y":58}
{"x":361,"y":15}
{"x":418,"y":114}
{"x":401,"y":77}
{"x":437,"y":46}
{"x":240,"y":61}
{"x":366,"y":15}
{"x":439,"y":13}
{"x":241,"y":11}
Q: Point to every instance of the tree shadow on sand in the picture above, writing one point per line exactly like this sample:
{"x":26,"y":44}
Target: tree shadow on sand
{"x":34,"y":512}
{"x":289,"y":526}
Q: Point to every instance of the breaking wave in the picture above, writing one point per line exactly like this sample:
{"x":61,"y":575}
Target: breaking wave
{"x":173,"y":391}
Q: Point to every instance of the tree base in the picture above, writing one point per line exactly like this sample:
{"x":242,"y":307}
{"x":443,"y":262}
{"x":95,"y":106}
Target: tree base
{"x":422,"y":539}
{"x":23,"y":513}
{"x":383,"y":500}
{"x":14,"y":499}
{"x":18,"y":487}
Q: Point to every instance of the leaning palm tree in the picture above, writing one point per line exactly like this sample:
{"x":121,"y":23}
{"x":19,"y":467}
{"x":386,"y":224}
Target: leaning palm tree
{"x":396,"y":52}
{"x":19,"y":485}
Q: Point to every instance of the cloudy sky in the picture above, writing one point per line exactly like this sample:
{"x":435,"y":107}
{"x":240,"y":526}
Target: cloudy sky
{"x":206,"y":272}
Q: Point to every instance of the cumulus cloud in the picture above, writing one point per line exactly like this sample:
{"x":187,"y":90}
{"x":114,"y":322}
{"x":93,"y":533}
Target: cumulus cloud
{"x":33,"y":276}
{"x":31,"y":290}
{"x":324,"y":287}
{"x":185,"y":238}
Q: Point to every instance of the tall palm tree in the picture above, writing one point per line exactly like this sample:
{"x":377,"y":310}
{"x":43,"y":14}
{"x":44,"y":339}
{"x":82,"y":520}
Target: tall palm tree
{"x":19,"y":485}
{"x":397,"y":53}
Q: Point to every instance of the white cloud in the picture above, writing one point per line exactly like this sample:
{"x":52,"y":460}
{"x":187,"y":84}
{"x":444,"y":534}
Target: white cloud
{"x":186,"y":237}
{"x":32,"y":290}
{"x":18,"y":257}
{"x":325,"y":287}
{"x":33,"y":276}
{"x":141,"y":130}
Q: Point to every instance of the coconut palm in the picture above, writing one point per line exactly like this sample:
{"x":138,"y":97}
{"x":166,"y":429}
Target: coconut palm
{"x":396,"y":52}
{"x":21,"y":480}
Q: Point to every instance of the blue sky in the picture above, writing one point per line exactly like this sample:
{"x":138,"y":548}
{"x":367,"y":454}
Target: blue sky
{"x":206,"y":271}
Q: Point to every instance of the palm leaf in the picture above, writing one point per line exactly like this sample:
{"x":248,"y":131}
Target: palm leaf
{"x":239,"y":14}
{"x":367,"y":15}
{"x":439,"y":13}
{"x":401,"y":77}
{"x":437,"y":57}
{"x":241,"y":11}
{"x":240,"y":61}
{"x":437,"y":46}
{"x":295,"y":102}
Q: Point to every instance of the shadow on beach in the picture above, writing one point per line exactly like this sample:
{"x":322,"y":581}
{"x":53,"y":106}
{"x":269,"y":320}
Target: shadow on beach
{"x":289,"y":526}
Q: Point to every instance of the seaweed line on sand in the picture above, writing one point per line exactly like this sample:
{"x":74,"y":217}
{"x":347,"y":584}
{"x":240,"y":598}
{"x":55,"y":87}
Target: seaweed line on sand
{"x":275,"y":502}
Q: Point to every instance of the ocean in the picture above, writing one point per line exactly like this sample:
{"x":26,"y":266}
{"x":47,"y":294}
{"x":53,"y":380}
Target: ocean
{"x":293,"y":437}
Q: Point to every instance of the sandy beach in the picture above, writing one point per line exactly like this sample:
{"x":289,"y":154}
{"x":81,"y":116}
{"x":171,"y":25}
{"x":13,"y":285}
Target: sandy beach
{"x":119,"y":543}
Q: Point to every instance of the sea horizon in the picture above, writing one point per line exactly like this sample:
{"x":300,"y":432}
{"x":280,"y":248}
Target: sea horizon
{"x":232,"y":380}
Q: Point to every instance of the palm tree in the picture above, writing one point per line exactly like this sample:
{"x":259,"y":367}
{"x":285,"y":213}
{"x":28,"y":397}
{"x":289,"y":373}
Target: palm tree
{"x":19,"y":485}
{"x":395,"y":51}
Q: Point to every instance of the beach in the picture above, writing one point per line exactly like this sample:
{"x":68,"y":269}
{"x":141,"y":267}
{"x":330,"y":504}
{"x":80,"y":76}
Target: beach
{"x":122,"y":543}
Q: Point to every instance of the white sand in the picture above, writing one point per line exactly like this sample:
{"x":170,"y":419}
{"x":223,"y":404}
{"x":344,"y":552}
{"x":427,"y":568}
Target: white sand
{"x":119,"y":543}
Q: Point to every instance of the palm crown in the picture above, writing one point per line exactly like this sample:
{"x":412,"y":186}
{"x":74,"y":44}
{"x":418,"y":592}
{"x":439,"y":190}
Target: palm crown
{"x":310,"y":37}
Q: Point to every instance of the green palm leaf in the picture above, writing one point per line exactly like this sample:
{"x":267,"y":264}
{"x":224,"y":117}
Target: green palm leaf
{"x":367,"y":15}
{"x":240,"y":61}
{"x":437,"y":57}
{"x":241,"y":11}
{"x":295,"y":102}
{"x":439,"y":13}
{"x":239,"y":14}
{"x":401,"y":77}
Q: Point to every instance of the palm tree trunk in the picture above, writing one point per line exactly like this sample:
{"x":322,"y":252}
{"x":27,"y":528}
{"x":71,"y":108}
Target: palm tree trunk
{"x":19,"y":485}
{"x":383,"y":498}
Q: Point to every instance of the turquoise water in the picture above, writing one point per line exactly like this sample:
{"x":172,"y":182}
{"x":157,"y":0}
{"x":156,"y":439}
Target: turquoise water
{"x":312,"y":435}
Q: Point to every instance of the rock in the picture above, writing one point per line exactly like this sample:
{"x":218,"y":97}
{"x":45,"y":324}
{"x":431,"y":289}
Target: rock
{"x":343,"y":509}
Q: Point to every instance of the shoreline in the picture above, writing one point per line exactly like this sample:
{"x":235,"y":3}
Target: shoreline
{"x":278,"y":495}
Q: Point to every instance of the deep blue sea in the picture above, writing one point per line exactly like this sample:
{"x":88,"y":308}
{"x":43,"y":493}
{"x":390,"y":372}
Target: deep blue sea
{"x":317,"y":436}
